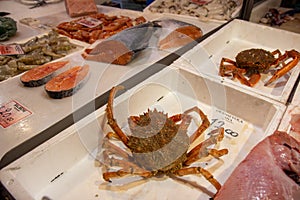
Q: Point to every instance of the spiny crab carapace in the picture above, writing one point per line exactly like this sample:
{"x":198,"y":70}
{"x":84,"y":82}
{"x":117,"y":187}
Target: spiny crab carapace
{"x":158,"y":145}
{"x":251,"y":63}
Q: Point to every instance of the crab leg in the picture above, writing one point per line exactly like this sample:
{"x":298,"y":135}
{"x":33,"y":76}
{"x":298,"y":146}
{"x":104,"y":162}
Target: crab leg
{"x":227,"y":68}
{"x":120,"y":173}
{"x":113,"y":149}
{"x":126,"y":165}
{"x":253,"y":79}
{"x":205,"y":123}
{"x":110,"y":117}
{"x":176,"y":118}
{"x":199,"y":170}
{"x":201,"y":150}
{"x":286,"y":67}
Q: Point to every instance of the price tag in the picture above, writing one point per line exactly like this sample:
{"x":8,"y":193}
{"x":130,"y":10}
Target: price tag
{"x":89,"y":22}
{"x":233,"y":125}
{"x":11,"y":49}
{"x":12,"y":112}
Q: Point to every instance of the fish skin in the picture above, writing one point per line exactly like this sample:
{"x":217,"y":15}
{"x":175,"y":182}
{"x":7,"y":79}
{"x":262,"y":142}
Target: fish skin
{"x":136,"y":38}
{"x":41,"y":74}
{"x":131,"y":41}
{"x":261,"y":174}
{"x":68,"y":82}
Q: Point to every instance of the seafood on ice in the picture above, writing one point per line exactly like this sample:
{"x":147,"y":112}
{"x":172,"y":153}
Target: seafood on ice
{"x":204,"y":10}
{"x":41,"y":74}
{"x":123,"y":47}
{"x":270,"y":171}
{"x":96,"y":26}
{"x":68,"y":82}
{"x":37,"y":51}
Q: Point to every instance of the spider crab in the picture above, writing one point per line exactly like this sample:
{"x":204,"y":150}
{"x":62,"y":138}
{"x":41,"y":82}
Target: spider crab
{"x":158,"y":145}
{"x":251,"y":62}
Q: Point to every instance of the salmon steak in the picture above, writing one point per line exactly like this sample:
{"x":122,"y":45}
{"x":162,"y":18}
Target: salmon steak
{"x":42,"y":74}
{"x":270,"y":171}
{"x":122,"y":47}
{"x":67,"y":83}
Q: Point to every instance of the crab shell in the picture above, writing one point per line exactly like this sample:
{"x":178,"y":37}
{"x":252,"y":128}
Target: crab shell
{"x":157,"y":143}
{"x":255,"y":59}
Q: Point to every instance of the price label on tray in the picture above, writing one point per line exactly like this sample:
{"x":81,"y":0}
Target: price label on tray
{"x":233,"y":126}
{"x":11,"y":49}
{"x":12,"y":112}
{"x":89,"y":22}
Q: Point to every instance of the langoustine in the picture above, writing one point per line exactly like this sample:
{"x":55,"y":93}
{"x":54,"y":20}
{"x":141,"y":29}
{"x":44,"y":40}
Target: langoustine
{"x":270,"y":171}
{"x":107,"y":26}
{"x":37,"y":51}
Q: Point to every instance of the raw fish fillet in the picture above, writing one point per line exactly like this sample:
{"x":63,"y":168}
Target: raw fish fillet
{"x":270,"y":171}
{"x":122,"y":47}
{"x":178,"y":33}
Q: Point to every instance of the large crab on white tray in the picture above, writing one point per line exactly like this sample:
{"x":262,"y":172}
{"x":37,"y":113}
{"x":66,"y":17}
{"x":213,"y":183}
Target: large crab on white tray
{"x":251,"y":63}
{"x":158,"y":145}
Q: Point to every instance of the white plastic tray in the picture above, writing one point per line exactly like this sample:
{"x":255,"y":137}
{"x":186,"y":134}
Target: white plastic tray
{"x":239,"y":35}
{"x":203,"y":18}
{"x":292,"y":113}
{"x":64,"y":166}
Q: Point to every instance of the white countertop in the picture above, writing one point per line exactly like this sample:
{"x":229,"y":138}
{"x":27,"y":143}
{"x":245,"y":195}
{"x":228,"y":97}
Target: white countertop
{"x":46,"y":111}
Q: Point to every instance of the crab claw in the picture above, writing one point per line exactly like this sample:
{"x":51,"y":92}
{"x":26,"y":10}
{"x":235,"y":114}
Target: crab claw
{"x":295,"y":55}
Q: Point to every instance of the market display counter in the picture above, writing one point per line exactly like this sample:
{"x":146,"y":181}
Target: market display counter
{"x":59,"y":140}
{"x":49,"y":116}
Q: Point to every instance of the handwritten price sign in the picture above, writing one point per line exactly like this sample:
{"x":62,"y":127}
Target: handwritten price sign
{"x":12,"y":112}
{"x":11,"y":49}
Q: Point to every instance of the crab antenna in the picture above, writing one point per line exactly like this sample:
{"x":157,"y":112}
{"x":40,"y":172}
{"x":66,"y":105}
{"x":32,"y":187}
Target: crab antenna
{"x":110,"y":117}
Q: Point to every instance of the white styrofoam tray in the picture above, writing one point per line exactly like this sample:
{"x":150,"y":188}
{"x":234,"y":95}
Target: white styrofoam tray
{"x":64,"y":166}
{"x":240,"y":35}
{"x":214,"y":9}
{"x":291,"y":116}
{"x":291,"y":119}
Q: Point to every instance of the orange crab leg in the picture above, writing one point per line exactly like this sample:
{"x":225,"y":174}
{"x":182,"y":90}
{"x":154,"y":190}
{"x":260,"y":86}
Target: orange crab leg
{"x":201,"y":150}
{"x":286,"y":67}
{"x":225,"y":68}
{"x":110,"y":117}
{"x":115,"y":149}
{"x":205,"y":123}
{"x":124,"y":164}
{"x":199,"y":170}
{"x":120,"y":173}
{"x":253,"y":79}
{"x":176,"y":118}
